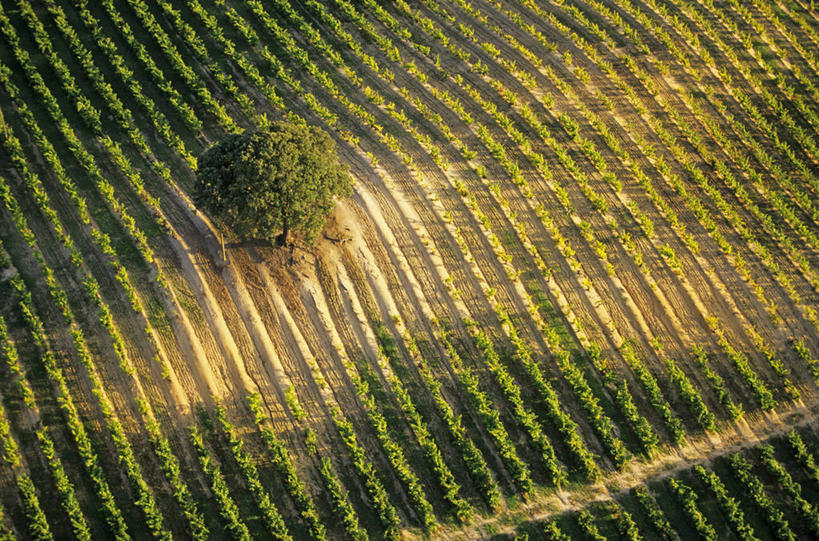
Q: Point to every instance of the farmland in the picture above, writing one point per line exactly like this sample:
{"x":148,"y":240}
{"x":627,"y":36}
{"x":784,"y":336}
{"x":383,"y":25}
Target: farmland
{"x":575,"y":292}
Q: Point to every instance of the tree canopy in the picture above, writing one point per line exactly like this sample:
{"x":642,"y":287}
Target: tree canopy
{"x":268,"y":183}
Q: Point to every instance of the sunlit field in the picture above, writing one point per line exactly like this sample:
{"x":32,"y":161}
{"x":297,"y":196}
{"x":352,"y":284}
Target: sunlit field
{"x":573,"y":295}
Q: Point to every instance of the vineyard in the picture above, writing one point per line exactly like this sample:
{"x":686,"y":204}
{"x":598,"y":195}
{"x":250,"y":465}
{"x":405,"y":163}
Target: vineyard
{"x":574,"y":295}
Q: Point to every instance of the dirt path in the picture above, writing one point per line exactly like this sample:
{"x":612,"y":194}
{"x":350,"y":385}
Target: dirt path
{"x":734,"y":438}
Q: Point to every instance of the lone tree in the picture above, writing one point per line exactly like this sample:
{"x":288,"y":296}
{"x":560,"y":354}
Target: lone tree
{"x":267,"y":183}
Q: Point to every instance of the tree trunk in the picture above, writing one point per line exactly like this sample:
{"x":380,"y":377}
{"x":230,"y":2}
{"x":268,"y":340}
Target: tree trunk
{"x":283,"y":237}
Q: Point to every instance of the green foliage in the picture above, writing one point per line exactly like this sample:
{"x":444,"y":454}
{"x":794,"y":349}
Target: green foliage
{"x":688,"y":499}
{"x":717,"y":383}
{"x":5,"y":532}
{"x":791,"y":487}
{"x":13,"y":361}
{"x":524,"y":415}
{"x":11,"y":453}
{"x":691,"y":395}
{"x":124,"y":115}
{"x":227,"y":506}
{"x":654,"y":512}
{"x":754,"y":381}
{"x":553,"y":532}
{"x":283,"y":463}
{"x":241,"y":59}
{"x":266,"y":183}
{"x":341,"y":502}
{"x":90,"y":460}
{"x":624,"y":522}
{"x":37,"y":523}
{"x":292,"y":400}
{"x":270,"y":514}
{"x":173,"y":473}
{"x":804,"y":455}
{"x":65,"y":401}
{"x":488,"y":413}
{"x":642,"y":428}
{"x":64,"y":487}
{"x":728,"y":503}
{"x":387,"y":514}
{"x":805,"y":356}
{"x":234,"y":206}
{"x":562,"y":420}
{"x":395,"y":453}
{"x":178,"y":64}
{"x":586,"y":522}
{"x":601,"y":422}
{"x":655,"y":395}
{"x":755,"y":489}
{"x":472,"y":456}
{"x":423,"y":435}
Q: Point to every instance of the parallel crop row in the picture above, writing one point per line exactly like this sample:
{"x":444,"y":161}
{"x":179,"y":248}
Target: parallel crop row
{"x":283,"y":462}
